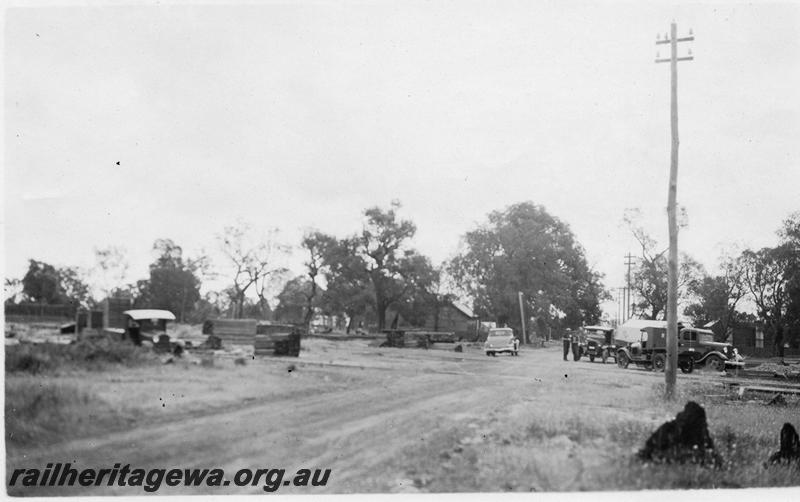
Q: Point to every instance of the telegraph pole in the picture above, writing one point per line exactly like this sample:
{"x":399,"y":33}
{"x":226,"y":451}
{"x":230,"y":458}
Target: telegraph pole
{"x":522,"y":317}
{"x":670,"y":373}
{"x":628,"y":262}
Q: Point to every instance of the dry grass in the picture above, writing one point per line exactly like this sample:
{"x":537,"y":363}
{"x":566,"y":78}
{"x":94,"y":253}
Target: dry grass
{"x":539,"y":446}
{"x":42,"y":411}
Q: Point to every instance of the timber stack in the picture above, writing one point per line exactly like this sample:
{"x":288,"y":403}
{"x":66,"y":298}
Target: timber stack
{"x":277,"y":340}
{"x":232,"y":331}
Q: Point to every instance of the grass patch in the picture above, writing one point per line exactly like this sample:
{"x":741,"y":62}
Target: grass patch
{"x":592,"y":445}
{"x":41,"y":411}
{"x":578,"y":430}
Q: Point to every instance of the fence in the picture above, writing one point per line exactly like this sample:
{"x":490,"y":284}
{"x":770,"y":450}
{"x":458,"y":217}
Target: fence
{"x":40,"y":312}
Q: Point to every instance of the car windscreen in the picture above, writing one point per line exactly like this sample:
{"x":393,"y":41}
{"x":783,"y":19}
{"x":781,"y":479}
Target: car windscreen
{"x":499,"y":336}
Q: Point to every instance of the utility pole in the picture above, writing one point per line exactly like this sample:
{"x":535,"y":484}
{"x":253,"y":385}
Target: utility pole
{"x":522,"y":317}
{"x":628,"y":262}
{"x":670,"y":373}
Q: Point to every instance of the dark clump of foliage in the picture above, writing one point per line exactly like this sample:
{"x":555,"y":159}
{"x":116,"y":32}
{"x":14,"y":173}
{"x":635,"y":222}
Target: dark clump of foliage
{"x":85,"y":354}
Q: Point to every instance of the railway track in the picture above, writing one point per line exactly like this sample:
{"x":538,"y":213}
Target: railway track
{"x":763,"y":382}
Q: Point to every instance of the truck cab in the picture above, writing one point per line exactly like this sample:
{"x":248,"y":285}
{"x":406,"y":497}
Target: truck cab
{"x":701,"y":347}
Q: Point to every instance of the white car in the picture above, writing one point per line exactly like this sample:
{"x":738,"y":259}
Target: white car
{"x":501,"y":340}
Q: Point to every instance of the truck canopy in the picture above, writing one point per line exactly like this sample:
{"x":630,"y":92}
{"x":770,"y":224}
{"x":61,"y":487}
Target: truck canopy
{"x":631,"y":331}
{"x":146,"y":314}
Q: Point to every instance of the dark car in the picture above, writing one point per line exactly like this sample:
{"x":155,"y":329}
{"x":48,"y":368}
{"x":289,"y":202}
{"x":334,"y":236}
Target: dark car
{"x":598,"y":342}
{"x":699,"y":344}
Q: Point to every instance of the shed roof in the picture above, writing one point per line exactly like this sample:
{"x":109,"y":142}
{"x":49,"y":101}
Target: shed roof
{"x":139,"y":314}
{"x":464,"y":310}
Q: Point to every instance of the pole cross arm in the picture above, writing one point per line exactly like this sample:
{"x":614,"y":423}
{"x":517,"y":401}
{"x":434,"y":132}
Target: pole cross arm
{"x":682,"y":39}
{"x":668,"y":60}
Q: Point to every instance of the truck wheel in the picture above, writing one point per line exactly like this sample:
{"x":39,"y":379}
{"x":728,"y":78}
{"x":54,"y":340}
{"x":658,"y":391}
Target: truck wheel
{"x":659,"y":362}
{"x":715,"y":363}
{"x":622,"y":360}
{"x":591,"y":358}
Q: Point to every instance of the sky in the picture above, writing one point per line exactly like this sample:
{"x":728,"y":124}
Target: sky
{"x":128,"y":123}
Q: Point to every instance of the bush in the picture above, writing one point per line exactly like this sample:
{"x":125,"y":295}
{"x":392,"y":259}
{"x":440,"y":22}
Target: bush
{"x":86,"y":354}
{"x":21,"y":359}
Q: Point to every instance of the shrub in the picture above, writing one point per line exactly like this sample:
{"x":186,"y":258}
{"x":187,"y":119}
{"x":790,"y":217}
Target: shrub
{"x":21,"y":358}
{"x":86,"y":354}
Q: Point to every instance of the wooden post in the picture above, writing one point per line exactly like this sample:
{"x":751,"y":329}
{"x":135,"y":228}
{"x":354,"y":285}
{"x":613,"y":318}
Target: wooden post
{"x":670,"y":372}
{"x":522,"y":317}
{"x":77,"y":323}
{"x":672,"y":278}
{"x":628,"y":262}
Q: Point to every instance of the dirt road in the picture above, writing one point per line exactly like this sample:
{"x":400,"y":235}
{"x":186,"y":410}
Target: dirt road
{"x":398,"y":409}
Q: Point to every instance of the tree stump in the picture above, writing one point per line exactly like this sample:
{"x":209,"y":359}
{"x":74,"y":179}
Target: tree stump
{"x":685,"y":439}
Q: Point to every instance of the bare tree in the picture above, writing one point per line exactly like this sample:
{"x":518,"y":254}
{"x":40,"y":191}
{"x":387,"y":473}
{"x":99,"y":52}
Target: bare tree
{"x":650,"y":276}
{"x":716,"y":297}
{"x":12,"y":289}
{"x":314,"y":243}
{"x":252,"y":265}
{"x":110,"y":271}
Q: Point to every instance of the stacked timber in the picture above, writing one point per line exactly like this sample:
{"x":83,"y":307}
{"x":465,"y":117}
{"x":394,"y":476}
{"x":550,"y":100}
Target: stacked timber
{"x":234,"y":331}
{"x":416,"y":338}
{"x":269,"y":328}
{"x":278,"y":344}
{"x":423,"y":340}
{"x":395,"y":338}
{"x":441,"y":336}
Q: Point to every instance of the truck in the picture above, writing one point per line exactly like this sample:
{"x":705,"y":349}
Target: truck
{"x":598,"y":342}
{"x":630,"y":331}
{"x":650,"y":352}
{"x":699,"y":345}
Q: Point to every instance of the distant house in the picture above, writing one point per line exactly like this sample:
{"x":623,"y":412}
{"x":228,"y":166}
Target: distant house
{"x":452,"y":317}
{"x":456,"y":318}
{"x":753,"y":339}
